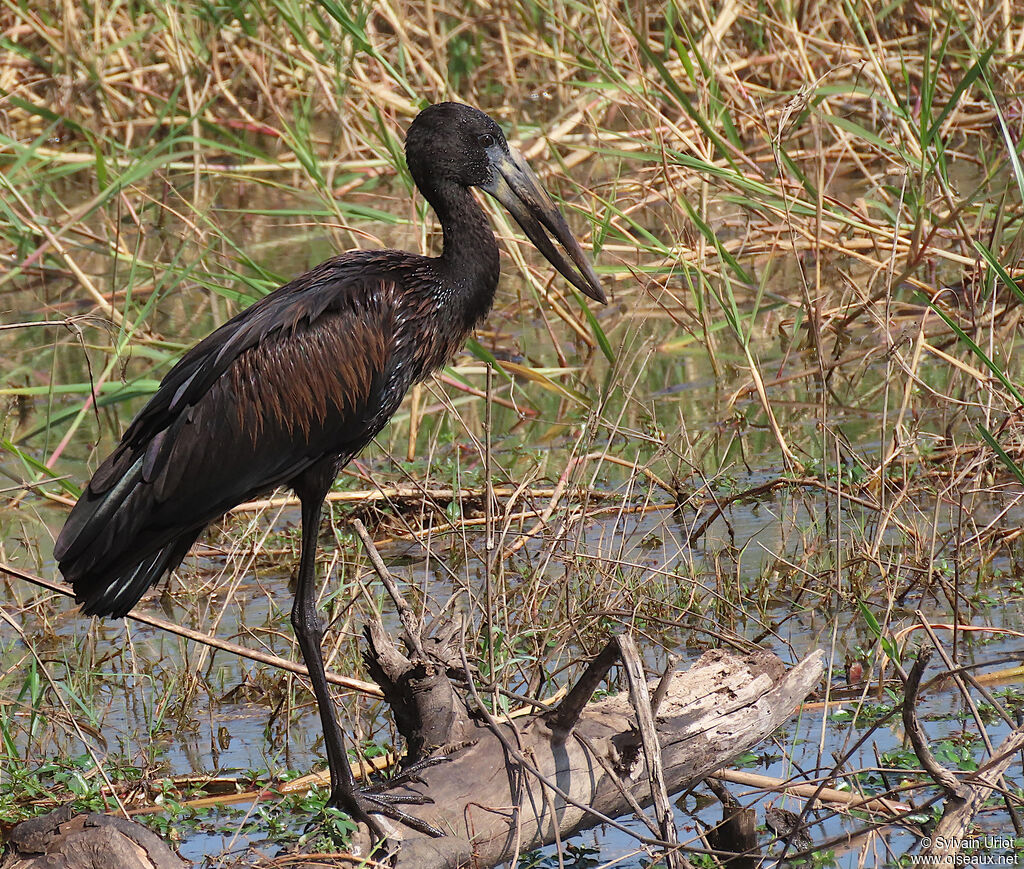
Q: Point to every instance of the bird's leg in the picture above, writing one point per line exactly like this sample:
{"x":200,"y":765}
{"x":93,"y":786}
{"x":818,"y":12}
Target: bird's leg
{"x":309,"y":631}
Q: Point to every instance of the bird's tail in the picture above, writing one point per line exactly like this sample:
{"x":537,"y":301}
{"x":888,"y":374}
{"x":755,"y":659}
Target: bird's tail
{"x":107,"y":553}
{"x":102,"y":593}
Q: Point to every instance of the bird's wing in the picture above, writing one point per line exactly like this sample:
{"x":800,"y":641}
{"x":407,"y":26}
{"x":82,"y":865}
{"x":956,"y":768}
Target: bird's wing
{"x":302,"y":375}
{"x":344,"y":285}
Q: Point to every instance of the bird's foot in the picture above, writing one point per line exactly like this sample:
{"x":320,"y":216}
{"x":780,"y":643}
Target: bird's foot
{"x":378,"y":799}
{"x":372,"y":802}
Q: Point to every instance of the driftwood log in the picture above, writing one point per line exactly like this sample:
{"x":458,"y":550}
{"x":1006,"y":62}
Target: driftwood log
{"x":65,"y":840}
{"x":510,"y":786}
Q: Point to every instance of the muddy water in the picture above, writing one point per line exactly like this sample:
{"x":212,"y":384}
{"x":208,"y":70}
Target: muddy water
{"x":174,"y":708}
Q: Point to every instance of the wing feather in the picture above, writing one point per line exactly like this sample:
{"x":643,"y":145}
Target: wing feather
{"x":303,"y":375}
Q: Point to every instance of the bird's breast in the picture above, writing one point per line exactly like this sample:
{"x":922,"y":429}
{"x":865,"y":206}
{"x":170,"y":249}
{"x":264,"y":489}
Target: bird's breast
{"x":432,"y":334}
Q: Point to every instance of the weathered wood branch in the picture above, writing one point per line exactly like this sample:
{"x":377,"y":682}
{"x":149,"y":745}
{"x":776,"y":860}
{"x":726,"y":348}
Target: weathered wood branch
{"x":511,"y":786}
{"x":918,"y":738}
{"x":65,"y":840}
{"x":494,"y":807}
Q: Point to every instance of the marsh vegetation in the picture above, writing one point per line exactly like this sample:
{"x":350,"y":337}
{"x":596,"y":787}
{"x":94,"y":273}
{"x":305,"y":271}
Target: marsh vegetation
{"x":797,"y":425}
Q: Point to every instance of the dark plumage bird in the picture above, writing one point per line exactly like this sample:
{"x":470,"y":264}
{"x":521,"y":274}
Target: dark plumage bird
{"x":288,"y":391}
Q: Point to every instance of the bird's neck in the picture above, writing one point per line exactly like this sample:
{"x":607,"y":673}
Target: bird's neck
{"x":469,"y":263}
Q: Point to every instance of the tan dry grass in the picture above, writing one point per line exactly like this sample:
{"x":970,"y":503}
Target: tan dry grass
{"x":767,"y":191}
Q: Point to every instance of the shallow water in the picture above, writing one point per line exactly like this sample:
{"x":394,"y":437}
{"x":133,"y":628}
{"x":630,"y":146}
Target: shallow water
{"x":214,"y":728}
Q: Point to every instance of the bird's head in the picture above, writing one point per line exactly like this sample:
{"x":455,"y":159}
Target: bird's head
{"x":451,"y":143}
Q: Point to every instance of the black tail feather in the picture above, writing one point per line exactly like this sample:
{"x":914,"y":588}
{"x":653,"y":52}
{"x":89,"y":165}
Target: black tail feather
{"x":93,"y":514}
{"x":103,"y":594}
{"x":110,"y":550}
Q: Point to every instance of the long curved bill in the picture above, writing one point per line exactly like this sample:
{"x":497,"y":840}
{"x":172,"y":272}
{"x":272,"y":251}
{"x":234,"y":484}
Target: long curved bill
{"x":515,"y":186}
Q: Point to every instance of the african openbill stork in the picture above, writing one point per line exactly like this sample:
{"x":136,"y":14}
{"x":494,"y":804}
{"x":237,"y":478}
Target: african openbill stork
{"x":292,"y":388}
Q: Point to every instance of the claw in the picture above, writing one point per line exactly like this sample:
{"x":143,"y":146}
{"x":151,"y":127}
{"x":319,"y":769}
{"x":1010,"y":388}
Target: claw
{"x":388,"y":806}
{"x":376,"y":799}
{"x":409,"y":775}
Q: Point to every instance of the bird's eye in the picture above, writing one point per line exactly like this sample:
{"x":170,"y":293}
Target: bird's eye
{"x":485,"y":140}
